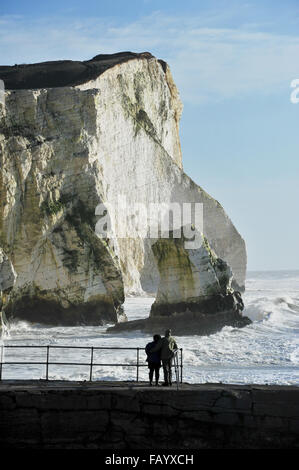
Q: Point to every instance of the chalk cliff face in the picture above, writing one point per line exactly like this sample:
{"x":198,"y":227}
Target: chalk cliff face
{"x":7,"y":281}
{"x":76,"y":134}
{"x":189,"y":277}
{"x":51,"y":182}
{"x":195,"y":288}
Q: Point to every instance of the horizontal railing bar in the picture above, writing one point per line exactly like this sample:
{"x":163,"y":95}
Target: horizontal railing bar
{"x":123,"y":365}
{"x":18,"y":346}
{"x":70,"y":347}
{"x":25,"y":363}
{"x":72,"y":364}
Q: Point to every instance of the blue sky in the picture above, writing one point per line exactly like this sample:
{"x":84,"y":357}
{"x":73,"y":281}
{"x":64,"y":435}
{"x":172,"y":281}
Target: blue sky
{"x":233,"y":62}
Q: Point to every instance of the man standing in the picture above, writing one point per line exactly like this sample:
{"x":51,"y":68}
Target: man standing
{"x":167,"y":346}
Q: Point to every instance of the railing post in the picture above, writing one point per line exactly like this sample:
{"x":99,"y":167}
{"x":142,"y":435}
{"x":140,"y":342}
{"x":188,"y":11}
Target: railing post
{"x":181,"y":365}
{"x":1,"y":359}
{"x":175,"y":361}
{"x":177,"y":370}
{"x":91,"y":361}
{"x":137,"y":364}
{"x":47,"y":365}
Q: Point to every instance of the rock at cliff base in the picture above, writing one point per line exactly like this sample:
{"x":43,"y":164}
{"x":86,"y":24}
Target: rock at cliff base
{"x":195,"y":295}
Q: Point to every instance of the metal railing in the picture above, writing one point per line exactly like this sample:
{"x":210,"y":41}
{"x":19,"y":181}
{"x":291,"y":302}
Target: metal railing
{"x":177,"y":363}
{"x":177,"y":367}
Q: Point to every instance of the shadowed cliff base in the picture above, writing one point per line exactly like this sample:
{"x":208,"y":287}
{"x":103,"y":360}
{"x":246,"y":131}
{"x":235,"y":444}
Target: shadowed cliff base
{"x":209,"y":305}
{"x":62,"y":73}
{"x":51,"y":312}
{"x":184,"y":323}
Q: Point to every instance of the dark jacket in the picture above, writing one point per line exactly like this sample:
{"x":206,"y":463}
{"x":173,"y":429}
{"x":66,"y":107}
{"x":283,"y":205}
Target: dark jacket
{"x":166,"y":346}
{"x":152,"y":356}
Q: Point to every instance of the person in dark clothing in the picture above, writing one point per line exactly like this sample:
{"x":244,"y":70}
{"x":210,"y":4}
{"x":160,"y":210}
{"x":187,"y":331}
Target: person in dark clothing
{"x":153,"y":360}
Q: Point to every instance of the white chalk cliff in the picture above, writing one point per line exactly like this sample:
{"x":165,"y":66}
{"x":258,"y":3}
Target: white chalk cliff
{"x":73,"y":135}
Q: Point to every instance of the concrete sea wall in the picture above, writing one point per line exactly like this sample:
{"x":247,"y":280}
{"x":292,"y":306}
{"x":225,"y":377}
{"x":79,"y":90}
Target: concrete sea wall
{"x":41,"y":415}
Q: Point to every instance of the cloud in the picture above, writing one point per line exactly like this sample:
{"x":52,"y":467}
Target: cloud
{"x":208,"y":63}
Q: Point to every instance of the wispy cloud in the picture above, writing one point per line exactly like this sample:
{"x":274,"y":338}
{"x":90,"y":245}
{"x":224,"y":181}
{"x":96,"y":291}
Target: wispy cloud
{"x":208,"y":63}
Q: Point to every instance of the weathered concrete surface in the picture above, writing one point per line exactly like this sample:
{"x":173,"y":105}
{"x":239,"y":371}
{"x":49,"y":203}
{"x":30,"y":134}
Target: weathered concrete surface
{"x":122,"y":415}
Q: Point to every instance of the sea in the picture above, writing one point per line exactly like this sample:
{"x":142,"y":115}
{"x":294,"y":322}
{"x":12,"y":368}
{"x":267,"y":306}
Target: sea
{"x":264,"y":352}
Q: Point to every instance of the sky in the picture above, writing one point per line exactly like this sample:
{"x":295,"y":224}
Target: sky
{"x":233,"y":63}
